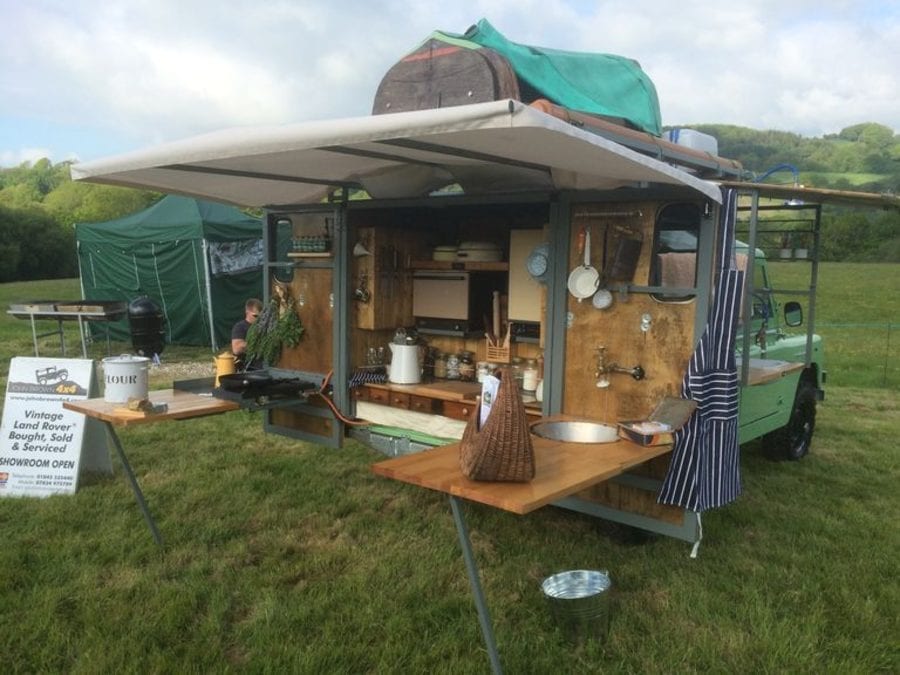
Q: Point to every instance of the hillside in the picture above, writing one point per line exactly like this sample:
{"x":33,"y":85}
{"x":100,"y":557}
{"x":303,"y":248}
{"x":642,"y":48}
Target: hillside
{"x":861,"y":157}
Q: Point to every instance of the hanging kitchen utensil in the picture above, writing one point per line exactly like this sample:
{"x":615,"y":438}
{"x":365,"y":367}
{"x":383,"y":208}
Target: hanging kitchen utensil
{"x":603,"y":298}
{"x":625,"y":259}
{"x":584,"y":278}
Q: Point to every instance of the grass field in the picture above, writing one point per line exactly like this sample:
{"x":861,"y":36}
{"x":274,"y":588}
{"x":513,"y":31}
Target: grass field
{"x":282,"y":556}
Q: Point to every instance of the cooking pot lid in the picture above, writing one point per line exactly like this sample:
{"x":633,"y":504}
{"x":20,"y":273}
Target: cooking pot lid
{"x":125,"y":358}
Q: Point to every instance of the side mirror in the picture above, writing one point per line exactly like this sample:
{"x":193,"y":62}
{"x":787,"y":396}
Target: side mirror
{"x":793,"y":314}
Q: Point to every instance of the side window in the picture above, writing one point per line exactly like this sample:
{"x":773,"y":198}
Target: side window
{"x":674,"y":261}
{"x":762,"y":295}
{"x":280,"y":243}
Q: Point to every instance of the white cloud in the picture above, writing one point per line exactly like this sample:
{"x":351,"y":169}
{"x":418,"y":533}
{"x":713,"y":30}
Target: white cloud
{"x":144,"y":71}
{"x":17,"y":157}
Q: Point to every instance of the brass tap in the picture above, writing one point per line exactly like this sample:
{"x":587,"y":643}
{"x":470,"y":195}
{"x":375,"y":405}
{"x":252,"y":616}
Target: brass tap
{"x":604,"y":369}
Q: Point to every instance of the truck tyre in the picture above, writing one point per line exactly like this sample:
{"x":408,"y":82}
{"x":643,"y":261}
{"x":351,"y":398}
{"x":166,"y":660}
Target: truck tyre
{"x":791,"y":442}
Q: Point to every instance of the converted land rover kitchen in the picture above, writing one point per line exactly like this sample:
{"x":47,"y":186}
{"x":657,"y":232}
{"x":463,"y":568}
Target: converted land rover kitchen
{"x":427,"y":244}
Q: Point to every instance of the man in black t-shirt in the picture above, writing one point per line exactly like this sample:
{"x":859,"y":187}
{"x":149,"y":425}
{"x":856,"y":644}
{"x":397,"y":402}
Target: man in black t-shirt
{"x":252,"y":308}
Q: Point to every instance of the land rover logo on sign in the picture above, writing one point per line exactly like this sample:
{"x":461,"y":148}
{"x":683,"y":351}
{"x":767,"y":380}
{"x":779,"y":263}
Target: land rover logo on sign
{"x":46,"y":380}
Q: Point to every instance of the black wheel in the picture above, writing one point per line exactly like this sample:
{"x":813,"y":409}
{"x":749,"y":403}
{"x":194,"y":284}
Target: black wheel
{"x":792,"y":441}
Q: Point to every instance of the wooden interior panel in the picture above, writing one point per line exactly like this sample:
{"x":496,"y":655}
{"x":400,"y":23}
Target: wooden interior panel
{"x":383,"y":272}
{"x":292,"y":418}
{"x":311,"y":289}
{"x":632,"y":500}
{"x":663,"y":351}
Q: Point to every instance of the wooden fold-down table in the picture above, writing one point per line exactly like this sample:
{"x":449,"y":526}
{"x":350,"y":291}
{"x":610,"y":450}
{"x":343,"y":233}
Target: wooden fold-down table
{"x":181,"y":405}
{"x":562,"y":469}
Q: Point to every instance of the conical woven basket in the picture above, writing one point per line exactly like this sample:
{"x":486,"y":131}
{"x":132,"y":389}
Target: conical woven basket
{"x":501,"y":450}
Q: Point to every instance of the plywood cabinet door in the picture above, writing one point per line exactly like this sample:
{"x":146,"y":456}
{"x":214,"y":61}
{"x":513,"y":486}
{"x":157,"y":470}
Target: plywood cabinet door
{"x":524,"y":291}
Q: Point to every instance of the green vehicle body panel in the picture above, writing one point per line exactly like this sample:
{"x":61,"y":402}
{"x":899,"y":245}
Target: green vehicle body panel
{"x":767,"y":407}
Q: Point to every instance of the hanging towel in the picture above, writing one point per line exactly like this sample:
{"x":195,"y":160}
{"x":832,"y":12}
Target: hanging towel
{"x":705,"y":469}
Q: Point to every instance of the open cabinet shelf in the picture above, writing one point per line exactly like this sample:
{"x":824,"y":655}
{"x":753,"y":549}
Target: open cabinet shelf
{"x":460,"y":265}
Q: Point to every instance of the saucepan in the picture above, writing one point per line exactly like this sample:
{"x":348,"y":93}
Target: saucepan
{"x":583,"y":279}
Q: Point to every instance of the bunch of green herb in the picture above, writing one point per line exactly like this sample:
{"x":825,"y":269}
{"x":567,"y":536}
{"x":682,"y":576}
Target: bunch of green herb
{"x":275,"y":328}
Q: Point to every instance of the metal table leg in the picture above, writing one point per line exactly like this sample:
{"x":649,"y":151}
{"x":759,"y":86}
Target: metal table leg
{"x":81,"y":335}
{"x":62,"y":336}
{"x":484,"y":618}
{"x":134,"y":484}
{"x":34,"y":335}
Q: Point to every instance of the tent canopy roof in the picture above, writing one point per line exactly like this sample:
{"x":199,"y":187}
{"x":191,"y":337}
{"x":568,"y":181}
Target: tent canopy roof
{"x":494,"y":147}
{"x":175,"y":218}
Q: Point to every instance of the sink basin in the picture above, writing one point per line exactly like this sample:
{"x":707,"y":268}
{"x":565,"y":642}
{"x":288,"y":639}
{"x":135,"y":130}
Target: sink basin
{"x":576,"y":432}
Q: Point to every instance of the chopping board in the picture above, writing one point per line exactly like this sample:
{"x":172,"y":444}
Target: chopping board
{"x":450,"y":390}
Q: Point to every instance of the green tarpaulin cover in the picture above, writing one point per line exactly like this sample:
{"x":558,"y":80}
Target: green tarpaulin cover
{"x":601,"y":84}
{"x":198,"y":260}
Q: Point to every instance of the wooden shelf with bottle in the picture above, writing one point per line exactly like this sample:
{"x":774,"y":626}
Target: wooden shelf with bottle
{"x":470,"y":265}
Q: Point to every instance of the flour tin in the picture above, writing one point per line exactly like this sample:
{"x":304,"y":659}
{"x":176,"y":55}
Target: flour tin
{"x":125,"y":377}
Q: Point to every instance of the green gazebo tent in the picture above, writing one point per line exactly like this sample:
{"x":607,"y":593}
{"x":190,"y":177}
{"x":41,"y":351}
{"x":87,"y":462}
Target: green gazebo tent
{"x":198,"y":260}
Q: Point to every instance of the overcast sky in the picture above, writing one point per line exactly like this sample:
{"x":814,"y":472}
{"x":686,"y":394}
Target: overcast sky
{"x":84,"y":79}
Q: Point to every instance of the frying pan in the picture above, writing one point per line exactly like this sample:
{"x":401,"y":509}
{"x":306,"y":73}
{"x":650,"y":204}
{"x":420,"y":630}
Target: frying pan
{"x":583,"y":279}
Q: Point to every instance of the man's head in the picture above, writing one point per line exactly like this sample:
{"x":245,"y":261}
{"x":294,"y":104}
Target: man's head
{"x":252,"y":308}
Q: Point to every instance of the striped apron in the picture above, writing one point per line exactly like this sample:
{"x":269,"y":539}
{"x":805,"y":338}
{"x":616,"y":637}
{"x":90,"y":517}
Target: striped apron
{"x":705,"y":469}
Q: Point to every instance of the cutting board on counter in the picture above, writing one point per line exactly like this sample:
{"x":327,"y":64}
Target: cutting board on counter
{"x":450,"y":390}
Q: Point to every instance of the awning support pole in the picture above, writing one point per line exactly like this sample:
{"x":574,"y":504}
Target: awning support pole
{"x":206,"y":279}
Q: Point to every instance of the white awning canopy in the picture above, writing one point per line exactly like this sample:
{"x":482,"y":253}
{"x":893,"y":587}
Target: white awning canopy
{"x":501,"y":146}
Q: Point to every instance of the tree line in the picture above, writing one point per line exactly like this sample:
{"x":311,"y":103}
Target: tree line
{"x":39,"y":206}
{"x":39,"y":203}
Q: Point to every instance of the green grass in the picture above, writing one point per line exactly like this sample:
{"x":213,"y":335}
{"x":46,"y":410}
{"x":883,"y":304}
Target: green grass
{"x":857,"y":315}
{"x":819,"y":178}
{"x":282,"y":556}
{"x":285,"y":557}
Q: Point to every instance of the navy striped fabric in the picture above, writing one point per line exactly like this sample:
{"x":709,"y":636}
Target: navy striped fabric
{"x":705,"y":470}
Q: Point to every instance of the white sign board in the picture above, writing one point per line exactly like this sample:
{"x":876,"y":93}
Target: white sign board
{"x":40,"y":441}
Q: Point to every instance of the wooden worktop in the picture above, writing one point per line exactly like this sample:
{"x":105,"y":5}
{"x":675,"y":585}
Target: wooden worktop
{"x":181,"y":405}
{"x":562,"y":469}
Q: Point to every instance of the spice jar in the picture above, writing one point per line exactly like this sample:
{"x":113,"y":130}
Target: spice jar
{"x":517,"y":371}
{"x":530,"y":375}
{"x":466,"y":367}
{"x":428,"y":363}
{"x":440,"y":365}
{"x":452,"y":367}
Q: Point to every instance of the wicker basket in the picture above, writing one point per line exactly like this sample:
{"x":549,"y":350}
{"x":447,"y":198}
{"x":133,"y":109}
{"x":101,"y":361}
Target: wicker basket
{"x":501,"y":450}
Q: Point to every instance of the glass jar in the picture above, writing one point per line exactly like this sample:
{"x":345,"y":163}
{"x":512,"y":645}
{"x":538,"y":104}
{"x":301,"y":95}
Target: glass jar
{"x":529,"y":375}
{"x":428,"y":363}
{"x":440,"y":365}
{"x":466,"y":367}
{"x":482,"y":370}
{"x":452,"y":367}
{"x":516,"y":368}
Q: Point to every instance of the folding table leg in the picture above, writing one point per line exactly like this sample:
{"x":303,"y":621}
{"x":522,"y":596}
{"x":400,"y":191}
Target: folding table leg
{"x":134,"y":484}
{"x":484,"y":617}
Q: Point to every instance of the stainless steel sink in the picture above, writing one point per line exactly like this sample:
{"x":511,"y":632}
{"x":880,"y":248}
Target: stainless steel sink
{"x":576,"y":432}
